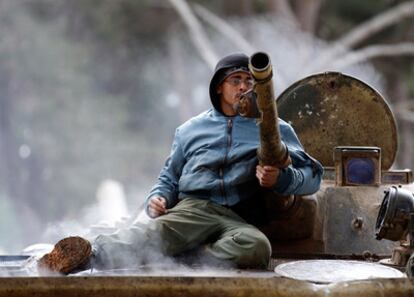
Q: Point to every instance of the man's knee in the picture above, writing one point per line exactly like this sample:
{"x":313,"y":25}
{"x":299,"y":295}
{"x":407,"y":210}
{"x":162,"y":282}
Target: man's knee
{"x":247,"y":248}
{"x":257,"y":250}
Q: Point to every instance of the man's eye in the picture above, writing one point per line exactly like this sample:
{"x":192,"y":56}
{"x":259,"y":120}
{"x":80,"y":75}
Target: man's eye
{"x":236,"y":81}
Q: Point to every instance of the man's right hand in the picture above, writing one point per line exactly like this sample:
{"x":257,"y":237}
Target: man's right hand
{"x":157,"y":206}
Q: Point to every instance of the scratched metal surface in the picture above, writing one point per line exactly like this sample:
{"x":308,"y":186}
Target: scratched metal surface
{"x":158,"y":280}
{"x":332,"y":109}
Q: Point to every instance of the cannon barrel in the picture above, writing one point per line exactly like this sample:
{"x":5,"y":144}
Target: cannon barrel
{"x":272,"y":150}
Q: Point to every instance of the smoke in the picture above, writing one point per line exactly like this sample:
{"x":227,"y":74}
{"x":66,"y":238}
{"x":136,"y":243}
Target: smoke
{"x":78,"y":126}
{"x":108,"y":214}
{"x":293,"y":52}
{"x":64,"y":128}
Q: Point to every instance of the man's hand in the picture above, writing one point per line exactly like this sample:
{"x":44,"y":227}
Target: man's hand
{"x":267,"y":175}
{"x":157,"y":206}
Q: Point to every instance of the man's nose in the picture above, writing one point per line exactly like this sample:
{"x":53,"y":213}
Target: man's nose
{"x":243,"y":85}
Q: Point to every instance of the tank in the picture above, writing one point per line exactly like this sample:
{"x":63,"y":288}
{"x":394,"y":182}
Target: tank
{"x":351,"y":130}
{"x":352,"y":238}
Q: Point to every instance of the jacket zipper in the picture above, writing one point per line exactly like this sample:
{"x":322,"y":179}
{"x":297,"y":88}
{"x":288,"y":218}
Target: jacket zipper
{"x":229,"y":140}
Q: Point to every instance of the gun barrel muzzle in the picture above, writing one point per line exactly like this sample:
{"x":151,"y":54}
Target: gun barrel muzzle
{"x":272,"y":150}
{"x":260,"y":66}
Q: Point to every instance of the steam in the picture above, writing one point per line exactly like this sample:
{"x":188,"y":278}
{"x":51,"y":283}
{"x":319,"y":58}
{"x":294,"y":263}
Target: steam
{"x":293,"y":52}
{"x":104,"y":150}
{"x":108,"y":214}
{"x":111,"y":201}
{"x":66,"y":133}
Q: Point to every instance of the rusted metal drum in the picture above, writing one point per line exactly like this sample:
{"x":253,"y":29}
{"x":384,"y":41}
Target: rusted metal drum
{"x":333,"y":109}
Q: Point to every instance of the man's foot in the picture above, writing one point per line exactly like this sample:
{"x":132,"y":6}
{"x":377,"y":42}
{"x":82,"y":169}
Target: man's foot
{"x":68,"y":254}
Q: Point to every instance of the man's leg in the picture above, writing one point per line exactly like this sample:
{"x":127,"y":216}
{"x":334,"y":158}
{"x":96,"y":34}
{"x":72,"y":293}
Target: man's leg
{"x":127,"y":248}
{"x":185,"y":226}
{"x":241,"y":243}
{"x":195,"y":222}
{"x":245,"y":246}
{"x":192,"y":222}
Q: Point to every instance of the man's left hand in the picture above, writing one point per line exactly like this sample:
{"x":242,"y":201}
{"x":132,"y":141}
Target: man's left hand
{"x":267,"y":175}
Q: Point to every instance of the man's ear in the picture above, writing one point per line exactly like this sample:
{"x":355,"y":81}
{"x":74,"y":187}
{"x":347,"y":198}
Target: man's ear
{"x":219,"y":89}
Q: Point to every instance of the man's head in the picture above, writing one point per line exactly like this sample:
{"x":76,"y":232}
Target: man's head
{"x":231,"y":78}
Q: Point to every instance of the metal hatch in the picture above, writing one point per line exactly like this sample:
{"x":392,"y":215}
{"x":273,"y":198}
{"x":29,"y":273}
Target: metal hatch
{"x":333,"y":109}
{"x":332,"y":271}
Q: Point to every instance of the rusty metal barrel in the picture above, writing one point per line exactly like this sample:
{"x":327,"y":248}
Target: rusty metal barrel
{"x":272,"y":150}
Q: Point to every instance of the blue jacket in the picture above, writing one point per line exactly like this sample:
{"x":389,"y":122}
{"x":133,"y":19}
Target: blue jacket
{"x":214,"y":157}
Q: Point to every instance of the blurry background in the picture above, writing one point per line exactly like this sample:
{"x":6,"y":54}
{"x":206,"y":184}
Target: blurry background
{"x":91,"y":91}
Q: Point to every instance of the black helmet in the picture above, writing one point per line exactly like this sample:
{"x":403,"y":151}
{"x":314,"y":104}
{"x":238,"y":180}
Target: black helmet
{"x":229,"y":64}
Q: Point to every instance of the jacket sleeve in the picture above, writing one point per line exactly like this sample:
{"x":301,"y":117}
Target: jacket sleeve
{"x":304,"y":175}
{"x":167,"y":183}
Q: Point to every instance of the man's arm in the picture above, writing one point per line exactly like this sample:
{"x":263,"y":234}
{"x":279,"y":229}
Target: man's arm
{"x":267,"y":175}
{"x":301,"y":180}
{"x":302,"y":177}
{"x":157,"y":206}
{"x":163,"y":194}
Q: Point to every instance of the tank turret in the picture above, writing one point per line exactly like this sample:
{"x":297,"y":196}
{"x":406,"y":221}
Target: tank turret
{"x":349,"y":127}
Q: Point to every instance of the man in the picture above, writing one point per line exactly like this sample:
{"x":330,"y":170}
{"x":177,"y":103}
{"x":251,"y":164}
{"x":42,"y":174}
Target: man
{"x":211,"y":171}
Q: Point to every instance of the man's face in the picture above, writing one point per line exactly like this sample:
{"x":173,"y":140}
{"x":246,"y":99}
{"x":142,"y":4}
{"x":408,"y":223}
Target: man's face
{"x":231,"y":89}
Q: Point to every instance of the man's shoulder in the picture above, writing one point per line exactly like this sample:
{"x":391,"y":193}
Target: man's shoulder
{"x":199,"y":119}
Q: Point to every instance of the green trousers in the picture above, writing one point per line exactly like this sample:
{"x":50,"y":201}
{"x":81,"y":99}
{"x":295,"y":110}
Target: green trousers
{"x":192,"y":223}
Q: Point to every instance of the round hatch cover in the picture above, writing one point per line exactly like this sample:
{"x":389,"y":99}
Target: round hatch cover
{"x":331,"y":271}
{"x":332,"y":109}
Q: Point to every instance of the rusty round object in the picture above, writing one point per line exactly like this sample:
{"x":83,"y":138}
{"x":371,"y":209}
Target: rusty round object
{"x":333,"y":109}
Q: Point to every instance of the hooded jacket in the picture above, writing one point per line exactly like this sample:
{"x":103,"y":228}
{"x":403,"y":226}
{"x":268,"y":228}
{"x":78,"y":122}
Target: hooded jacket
{"x":214,"y":157}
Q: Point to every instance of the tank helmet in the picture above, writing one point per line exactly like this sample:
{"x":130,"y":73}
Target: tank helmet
{"x":229,"y":64}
